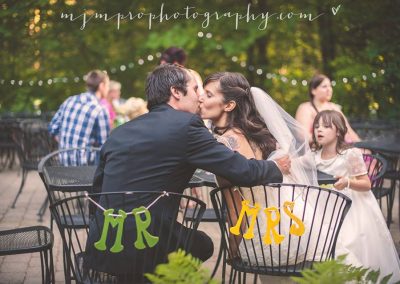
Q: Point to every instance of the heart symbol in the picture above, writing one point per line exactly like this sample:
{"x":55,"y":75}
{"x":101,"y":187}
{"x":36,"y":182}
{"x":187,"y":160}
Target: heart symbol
{"x":335,"y":9}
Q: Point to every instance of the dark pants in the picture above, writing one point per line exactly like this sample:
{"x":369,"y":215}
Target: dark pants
{"x":202,"y":246}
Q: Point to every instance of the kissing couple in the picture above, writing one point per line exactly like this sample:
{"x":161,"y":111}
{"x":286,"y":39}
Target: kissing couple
{"x":160,"y":150}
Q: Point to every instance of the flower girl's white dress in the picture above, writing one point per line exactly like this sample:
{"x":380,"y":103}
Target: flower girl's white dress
{"x":364,"y":236}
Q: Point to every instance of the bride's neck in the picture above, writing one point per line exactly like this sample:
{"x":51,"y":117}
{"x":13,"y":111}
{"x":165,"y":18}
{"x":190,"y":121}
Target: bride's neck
{"x":221,"y":122}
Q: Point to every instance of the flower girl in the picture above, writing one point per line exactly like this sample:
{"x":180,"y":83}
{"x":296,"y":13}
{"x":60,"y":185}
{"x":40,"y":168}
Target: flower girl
{"x":364,"y":236}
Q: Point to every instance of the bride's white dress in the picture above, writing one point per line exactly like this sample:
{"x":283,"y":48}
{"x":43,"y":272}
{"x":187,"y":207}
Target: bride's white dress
{"x":293,"y":249}
{"x":364,"y":236}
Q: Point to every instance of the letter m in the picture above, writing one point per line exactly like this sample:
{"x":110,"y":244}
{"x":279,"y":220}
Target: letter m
{"x":114,"y":222}
{"x":252,"y":213}
{"x":66,"y":16}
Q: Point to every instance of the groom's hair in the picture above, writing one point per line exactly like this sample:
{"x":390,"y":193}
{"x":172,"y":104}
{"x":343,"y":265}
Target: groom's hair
{"x":160,"y":81}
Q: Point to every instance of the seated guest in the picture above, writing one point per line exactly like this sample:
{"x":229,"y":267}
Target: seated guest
{"x":114,"y":93}
{"x":173,"y":55}
{"x":81,"y":121}
{"x":320,"y":93}
{"x":132,"y":108}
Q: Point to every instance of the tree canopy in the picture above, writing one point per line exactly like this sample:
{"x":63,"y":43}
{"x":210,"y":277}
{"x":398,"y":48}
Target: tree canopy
{"x":48,"y":45}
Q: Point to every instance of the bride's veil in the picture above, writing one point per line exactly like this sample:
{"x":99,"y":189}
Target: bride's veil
{"x":293,"y":140}
{"x":291,"y":137}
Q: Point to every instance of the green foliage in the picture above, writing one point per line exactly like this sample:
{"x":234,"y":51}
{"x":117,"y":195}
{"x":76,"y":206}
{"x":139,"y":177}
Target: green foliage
{"x":181,"y":268}
{"x":336,"y":272}
{"x":361,"y":39}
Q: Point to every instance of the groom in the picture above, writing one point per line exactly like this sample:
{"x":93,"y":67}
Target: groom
{"x":161,"y":150}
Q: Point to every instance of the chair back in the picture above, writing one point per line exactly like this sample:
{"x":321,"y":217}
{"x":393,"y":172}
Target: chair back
{"x":33,"y":141}
{"x":376,"y":168}
{"x":68,"y":171}
{"x":144,"y":228}
{"x":8,"y":148}
{"x":279,"y":229}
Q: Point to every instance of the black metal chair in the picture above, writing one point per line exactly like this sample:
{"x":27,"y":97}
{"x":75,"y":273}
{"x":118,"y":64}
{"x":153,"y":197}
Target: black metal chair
{"x":8,"y":148}
{"x":33,"y":143}
{"x":208,"y":216}
{"x":111,"y":249}
{"x":67,"y":172}
{"x":271,"y":239}
{"x":29,"y":240}
{"x":377,"y":168}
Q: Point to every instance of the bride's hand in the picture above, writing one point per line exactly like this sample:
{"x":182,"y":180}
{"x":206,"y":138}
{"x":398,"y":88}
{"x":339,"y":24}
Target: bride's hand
{"x":284,"y":164}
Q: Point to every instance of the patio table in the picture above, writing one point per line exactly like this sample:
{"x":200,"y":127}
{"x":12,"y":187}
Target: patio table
{"x":80,"y":178}
{"x":384,"y":146}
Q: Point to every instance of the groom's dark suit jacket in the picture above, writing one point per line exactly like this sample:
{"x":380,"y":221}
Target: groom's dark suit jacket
{"x":161,"y":150}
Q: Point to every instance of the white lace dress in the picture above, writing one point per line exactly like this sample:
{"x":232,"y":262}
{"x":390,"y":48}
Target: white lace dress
{"x":364,"y":236}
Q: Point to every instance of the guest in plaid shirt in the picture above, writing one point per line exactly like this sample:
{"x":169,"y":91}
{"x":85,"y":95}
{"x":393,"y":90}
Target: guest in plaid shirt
{"x":81,"y":121}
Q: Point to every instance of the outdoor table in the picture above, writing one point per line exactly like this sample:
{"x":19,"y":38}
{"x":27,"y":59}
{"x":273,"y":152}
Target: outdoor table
{"x":384,"y":146}
{"x":80,"y":178}
{"x":324,"y":178}
{"x":204,"y":178}
{"x":70,"y":178}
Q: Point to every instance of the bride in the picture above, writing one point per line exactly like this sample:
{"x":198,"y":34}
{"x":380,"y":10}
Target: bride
{"x":248,"y":121}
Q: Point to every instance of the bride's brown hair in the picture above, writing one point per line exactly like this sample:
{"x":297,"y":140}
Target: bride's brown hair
{"x":245,"y":117}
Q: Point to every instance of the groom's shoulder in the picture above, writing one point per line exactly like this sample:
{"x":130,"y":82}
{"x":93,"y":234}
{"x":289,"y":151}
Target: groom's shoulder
{"x":186,"y":117}
{"x":164,"y":114}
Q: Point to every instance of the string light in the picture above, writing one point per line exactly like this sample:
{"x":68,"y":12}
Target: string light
{"x":150,"y":57}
